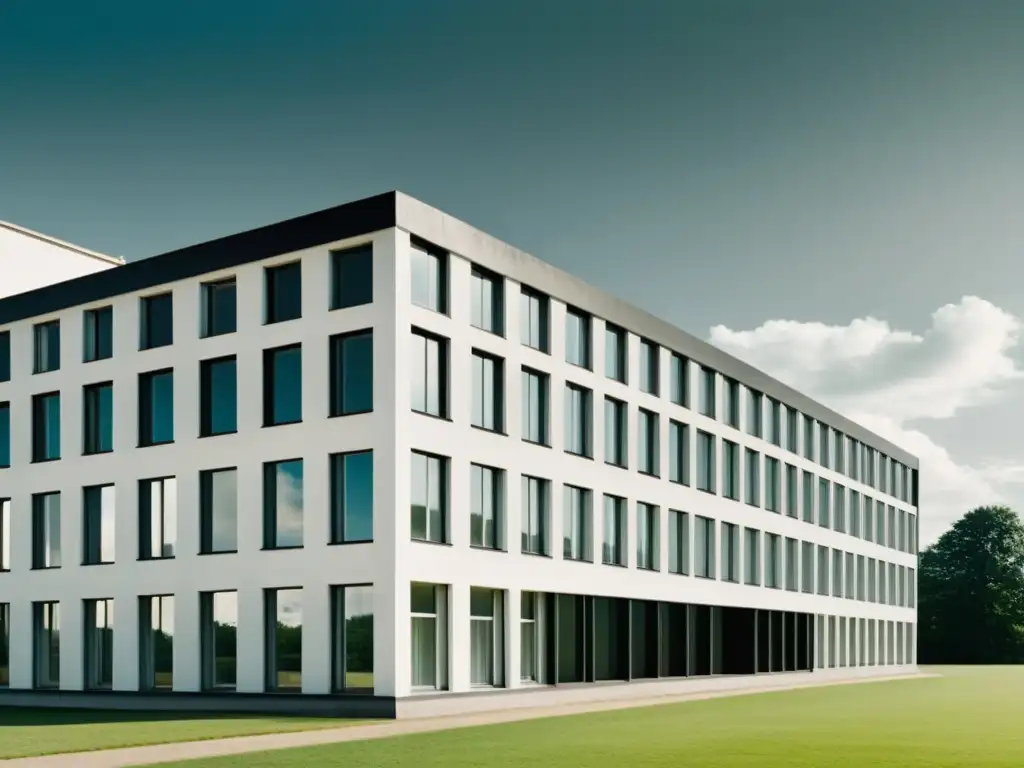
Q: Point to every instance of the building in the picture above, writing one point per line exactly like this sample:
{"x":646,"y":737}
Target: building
{"x":369,"y":458}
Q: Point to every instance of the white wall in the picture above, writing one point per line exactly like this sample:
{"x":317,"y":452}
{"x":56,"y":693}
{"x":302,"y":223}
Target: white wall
{"x":29,"y":260}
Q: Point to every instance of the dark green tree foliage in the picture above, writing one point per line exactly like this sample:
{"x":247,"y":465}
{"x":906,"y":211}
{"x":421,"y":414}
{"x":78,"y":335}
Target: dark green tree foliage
{"x":971,"y":591}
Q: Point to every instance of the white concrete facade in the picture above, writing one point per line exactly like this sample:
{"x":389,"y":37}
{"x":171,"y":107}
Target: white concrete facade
{"x":393,"y":560}
{"x":30,"y":260}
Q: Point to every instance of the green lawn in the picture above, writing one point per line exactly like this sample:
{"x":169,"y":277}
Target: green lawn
{"x":969,"y":717}
{"x":28,"y":732}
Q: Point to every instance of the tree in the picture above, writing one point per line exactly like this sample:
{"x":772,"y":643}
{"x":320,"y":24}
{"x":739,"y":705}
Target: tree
{"x":971,"y":591}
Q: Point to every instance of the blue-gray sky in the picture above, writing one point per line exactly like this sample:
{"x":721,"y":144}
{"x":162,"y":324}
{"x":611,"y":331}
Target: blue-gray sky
{"x":718,"y":162}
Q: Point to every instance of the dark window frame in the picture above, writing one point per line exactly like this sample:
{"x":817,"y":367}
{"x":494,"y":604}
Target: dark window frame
{"x":149,"y":336}
{"x":338,"y":275}
{"x":145,"y":416}
{"x":97,"y":334}
{"x":337,"y":468}
{"x":209,"y":293}
{"x":270,"y":384}
{"x":336,"y":362}
{"x":39,"y":442}
{"x":273,"y":293}
{"x":92,"y":418}
{"x":41,"y":334}
{"x":206,"y":400}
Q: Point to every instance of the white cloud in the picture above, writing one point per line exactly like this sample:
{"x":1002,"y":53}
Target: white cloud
{"x":886,"y":378}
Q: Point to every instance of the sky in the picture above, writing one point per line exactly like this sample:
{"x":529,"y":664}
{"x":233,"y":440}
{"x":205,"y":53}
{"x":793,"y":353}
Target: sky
{"x":831,"y":191}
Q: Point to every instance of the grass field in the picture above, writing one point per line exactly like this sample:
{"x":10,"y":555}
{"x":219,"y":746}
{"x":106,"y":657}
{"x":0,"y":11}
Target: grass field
{"x":969,"y":717}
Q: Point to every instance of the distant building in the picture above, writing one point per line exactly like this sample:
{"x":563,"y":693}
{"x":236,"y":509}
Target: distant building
{"x":29,"y":260}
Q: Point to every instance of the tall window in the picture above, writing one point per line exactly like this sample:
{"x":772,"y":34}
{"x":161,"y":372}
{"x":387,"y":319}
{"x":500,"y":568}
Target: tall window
{"x":158,"y":518}
{"x":732,"y":402}
{"x":707,"y":473}
{"x":535,"y":515}
{"x":860,"y":577}
{"x":772,"y":556}
{"x":5,"y":535}
{"x":679,"y":452}
{"x":283,"y":618}
{"x":809,"y":452}
{"x":283,"y":292}
{"x":792,"y":492}
{"x":576,"y":524}
{"x":839,"y":508}
{"x":156,"y":407}
{"x":486,"y":637}
{"x":851,"y":575}
{"x":772,"y":485}
{"x":730,"y":470}
{"x":532,"y":638}
{"x":218,"y":626}
{"x":648,"y":450}
{"x":352,"y":277}
{"x":823,"y":572}
{"x":46,"y":347}
{"x":98,"y":418}
{"x":577,"y":337}
{"x":282,"y":385}
{"x":98,"y":522}
{"x":535,"y":392}
{"x":680,"y":380}
{"x":487,"y":301}
{"x":99,"y":644}
{"x":647,"y":536}
{"x":774,"y":421}
{"x":156,"y":642}
{"x":824,"y":451}
{"x":891,"y":533}
{"x":730,"y":552}
{"x":351,"y":497}
{"x":872,"y":591}
{"x":792,"y":564}
{"x":351,"y":373}
{"x":837,"y":573}
{"x":533,"y":319}
{"x":5,"y":645}
{"x":218,"y":511}
{"x":650,"y":368}
{"x":98,"y":334}
{"x":853,"y":450}
{"x":880,"y":524}
{"x":755,"y":416}
{"x":824,"y":503}
{"x":352,"y":638}
{"x":792,"y":430}
{"x":5,"y":435}
{"x":219,"y":308}
{"x":577,"y":420}
{"x":808,"y":496}
{"x":613,"y":550}
{"x":707,"y":392}
{"x":806,"y":567}
{"x":704,"y":547}
{"x":869,"y":523}
{"x":838,"y":455}
{"x":429,"y":497}
{"x":854,"y":513}
{"x":615,"y":357}
{"x":282,"y":504}
{"x":156,"y":321}
{"x":678,"y":542}
{"x":753,"y":479}
{"x":46,"y":427}
{"x":429,"y":374}
{"x":488,"y":392}
{"x":428,"y":604}
{"x":615,"y":432}
{"x":752,"y":560}
{"x":486,"y":514}
{"x":218,"y":396}
{"x":5,"y":355}
{"x":46,"y":645}
{"x":429,"y":278}
{"x":46,"y":530}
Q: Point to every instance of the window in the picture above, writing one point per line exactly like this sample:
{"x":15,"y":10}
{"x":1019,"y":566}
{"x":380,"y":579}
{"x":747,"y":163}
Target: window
{"x":46,"y":530}
{"x":218,"y":396}
{"x":577,"y":420}
{"x":860,"y":577}
{"x":869,"y":524}
{"x":772,"y":555}
{"x":533,"y":319}
{"x":880,"y":523}
{"x":872,"y":594}
{"x":219,"y":308}
{"x":772,"y":485}
{"x":774,"y":421}
{"x":731,"y":470}
{"x":486,"y":514}
{"x":535,"y":392}
{"x":824,"y":502}
{"x":650,"y":369}
{"x":429,"y":374}
{"x":823,"y":574}
{"x":46,"y":645}
{"x":156,"y":408}
{"x":732,"y":403}
{"x":282,"y":385}
{"x":5,"y":645}
{"x":98,"y":334}
{"x":351,"y":497}
{"x":428,"y":604}
{"x":647,"y":544}
{"x":351,"y":373}
{"x":576,"y":524}
{"x":755,"y":417}
{"x":156,"y":643}
{"x":792,"y":564}
{"x":753,"y":479}
{"x":808,"y":496}
{"x":98,"y":418}
{"x":911,"y":519}
{"x":99,"y":644}
{"x":839,"y":508}
{"x":854,"y":513}
{"x":488,"y":392}
{"x":613,"y":550}
{"x":429,"y":278}
{"x":854,"y":451}
{"x":615,"y":432}
{"x":218,"y":511}
{"x":730,"y":552}
{"x":5,"y":435}
{"x":486,"y":636}
{"x":891,"y":535}
{"x":5,"y":355}
{"x":156,"y":321}
{"x":46,"y":345}
{"x":648,"y":450}
{"x":158,"y":518}
{"x":533,"y":637}
{"x":680,"y":380}
{"x":707,"y":392}
{"x":5,"y":535}
{"x":911,"y":589}
{"x":851,"y":575}
{"x":678,"y":542}
{"x":823,"y":444}
{"x":46,"y":427}
{"x":679,"y":452}
{"x":704,"y":547}
{"x":283,"y":292}
{"x":806,"y":567}
{"x":707,"y":474}
{"x":98,"y":524}
{"x":352,"y":277}
{"x":577,"y":337}
{"x":429,"y":497}
{"x":809,"y":438}
{"x":282,"y":504}
{"x":283,"y":619}
{"x":752,"y":550}
{"x":487,"y":297}
{"x":838,"y":455}
{"x":837,"y":573}
{"x":352,"y":639}
{"x":615,"y":353}
{"x":869,"y":466}
{"x":882,"y":593}
{"x":792,"y":430}
{"x":218,"y":626}
{"x":902,"y":538}
{"x":536,"y":495}
{"x":792,"y":493}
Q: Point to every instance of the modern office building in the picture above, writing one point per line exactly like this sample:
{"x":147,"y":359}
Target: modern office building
{"x":372,"y":460}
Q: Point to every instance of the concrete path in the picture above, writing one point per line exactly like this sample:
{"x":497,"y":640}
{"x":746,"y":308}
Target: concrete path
{"x":191,"y":750}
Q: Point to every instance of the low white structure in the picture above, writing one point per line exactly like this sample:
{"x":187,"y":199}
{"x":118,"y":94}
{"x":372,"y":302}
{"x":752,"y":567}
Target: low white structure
{"x":29,"y":260}
{"x":370,"y":458}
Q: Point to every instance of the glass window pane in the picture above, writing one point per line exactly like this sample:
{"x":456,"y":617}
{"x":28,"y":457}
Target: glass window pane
{"x":352,"y":277}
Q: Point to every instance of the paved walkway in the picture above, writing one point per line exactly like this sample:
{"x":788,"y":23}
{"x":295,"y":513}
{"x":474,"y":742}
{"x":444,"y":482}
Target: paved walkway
{"x":191,"y":750}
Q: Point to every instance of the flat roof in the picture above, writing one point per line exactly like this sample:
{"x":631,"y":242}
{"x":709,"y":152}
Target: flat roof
{"x":61,"y":243}
{"x":395,"y":209}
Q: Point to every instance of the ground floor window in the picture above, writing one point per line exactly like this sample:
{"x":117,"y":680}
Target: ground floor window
{"x":533,"y":637}
{"x":46,"y":644}
{"x":487,"y":635}
{"x":156,"y":642}
{"x":282,"y":615}
{"x":429,"y":608}
{"x":99,"y":644}
{"x":352,"y":638}
{"x":5,"y":645}
{"x":219,"y":639}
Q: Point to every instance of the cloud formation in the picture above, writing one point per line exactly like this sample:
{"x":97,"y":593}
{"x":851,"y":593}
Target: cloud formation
{"x":889,"y":379}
